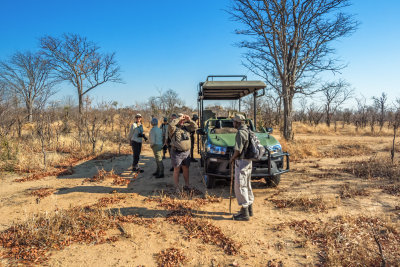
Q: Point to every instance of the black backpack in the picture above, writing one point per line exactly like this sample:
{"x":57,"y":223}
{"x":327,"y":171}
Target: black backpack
{"x":254,"y":149}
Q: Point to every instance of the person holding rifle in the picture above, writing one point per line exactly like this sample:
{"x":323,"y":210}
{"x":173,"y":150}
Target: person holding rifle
{"x":243,"y":191}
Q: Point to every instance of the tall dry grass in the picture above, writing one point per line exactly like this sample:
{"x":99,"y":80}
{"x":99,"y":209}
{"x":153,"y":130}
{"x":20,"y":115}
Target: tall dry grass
{"x":352,"y":241}
{"x":347,"y":129}
{"x":25,"y":154}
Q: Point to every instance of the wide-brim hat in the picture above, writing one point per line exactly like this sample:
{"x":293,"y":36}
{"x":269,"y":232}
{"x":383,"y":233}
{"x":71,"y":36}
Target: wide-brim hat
{"x":238,"y":118}
{"x":138,"y":115}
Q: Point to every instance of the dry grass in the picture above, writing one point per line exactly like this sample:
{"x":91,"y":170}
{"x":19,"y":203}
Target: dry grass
{"x":30,"y":242}
{"x":103,"y":175}
{"x":300,"y":150}
{"x":347,"y":150}
{"x":305,"y":203}
{"x":322,"y":129}
{"x":28,"y":157}
{"x":374,"y":167}
{"x":170,"y":257}
{"x":42,"y":192}
{"x":351,"y":191}
{"x":352,"y":241}
{"x":391,"y":189}
{"x":182,"y":214}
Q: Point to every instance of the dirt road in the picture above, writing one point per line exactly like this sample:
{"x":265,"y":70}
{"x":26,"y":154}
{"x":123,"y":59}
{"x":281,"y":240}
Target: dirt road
{"x":315,"y":187}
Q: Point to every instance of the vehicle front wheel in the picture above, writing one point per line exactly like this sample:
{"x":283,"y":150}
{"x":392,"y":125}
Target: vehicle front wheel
{"x":273,"y":181}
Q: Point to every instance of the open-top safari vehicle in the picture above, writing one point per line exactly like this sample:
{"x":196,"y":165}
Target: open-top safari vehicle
{"x":217,"y":134}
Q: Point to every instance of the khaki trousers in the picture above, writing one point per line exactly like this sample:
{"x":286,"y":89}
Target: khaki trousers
{"x":243,"y":191}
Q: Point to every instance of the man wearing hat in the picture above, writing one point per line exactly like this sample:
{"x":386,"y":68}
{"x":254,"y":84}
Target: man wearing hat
{"x":156,"y":144}
{"x":164,"y":130}
{"x":194,"y":118}
{"x":243,"y":192}
{"x":135,"y":137}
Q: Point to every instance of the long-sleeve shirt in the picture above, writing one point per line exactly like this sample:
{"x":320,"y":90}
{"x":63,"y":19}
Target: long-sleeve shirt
{"x":155,"y":137}
{"x":177,"y":134}
{"x":134,"y":131}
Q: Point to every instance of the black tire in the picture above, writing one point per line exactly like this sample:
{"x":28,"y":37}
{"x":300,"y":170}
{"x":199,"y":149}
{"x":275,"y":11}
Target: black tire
{"x":210,"y":181}
{"x":273,"y":181}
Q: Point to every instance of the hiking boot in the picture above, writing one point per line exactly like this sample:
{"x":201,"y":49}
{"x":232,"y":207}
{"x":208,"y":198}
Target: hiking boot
{"x":250,"y":208}
{"x":137,"y":170}
{"x":186,"y":188}
{"x":155,"y":173}
{"x":242,"y":215}
{"x":172,"y":169}
{"x":159,"y":176}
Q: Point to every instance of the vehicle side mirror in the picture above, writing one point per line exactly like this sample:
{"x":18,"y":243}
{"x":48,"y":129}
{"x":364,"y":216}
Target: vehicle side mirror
{"x":269,"y":130}
{"x":200,"y":131}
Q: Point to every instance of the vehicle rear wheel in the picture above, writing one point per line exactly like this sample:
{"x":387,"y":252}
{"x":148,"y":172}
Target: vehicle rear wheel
{"x":210,"y":181}
{"x":273,"y":181}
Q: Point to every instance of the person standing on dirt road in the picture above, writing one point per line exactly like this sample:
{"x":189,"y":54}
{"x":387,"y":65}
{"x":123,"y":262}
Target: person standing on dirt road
{"x":164,"y":130}
{"x":156,"y":144}
{"x":243,"y":167}
{"x":192,"y":159}
{"x":135,"y":137}
{"x":179,"y":133}
{"x":173,"y":117}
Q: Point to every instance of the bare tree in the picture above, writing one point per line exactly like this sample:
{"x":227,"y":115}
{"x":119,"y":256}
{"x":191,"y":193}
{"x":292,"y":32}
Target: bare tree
{"x":291,"y":43}
{"x":165,"y":103}
{"x":335,"y":94}
{"x":380,"y":105}
{"x":79,"y":62}
{"x":28,"y":76}
{"x":172,"y":101}
{"x":361,"y":114}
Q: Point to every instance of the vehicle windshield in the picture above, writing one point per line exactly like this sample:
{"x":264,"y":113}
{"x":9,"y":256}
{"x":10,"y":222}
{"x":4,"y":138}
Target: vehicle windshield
{"x":224,"y":126}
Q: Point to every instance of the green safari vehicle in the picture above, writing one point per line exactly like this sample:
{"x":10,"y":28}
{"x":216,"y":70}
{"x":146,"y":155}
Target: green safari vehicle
{"x":217,"y":134}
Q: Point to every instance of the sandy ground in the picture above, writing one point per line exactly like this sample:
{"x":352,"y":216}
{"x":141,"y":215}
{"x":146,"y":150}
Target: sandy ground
{"x":260,"y":239}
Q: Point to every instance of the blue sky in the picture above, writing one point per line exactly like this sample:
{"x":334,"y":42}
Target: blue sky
{"x":175,"y":44}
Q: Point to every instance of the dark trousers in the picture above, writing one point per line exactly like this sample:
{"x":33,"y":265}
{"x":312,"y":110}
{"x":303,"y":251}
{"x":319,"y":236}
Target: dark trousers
{"x":191,"y":145}
{"x":136,"y":149}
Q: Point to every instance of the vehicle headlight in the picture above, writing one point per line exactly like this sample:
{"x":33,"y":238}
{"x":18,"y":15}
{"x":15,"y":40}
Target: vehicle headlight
{"x":213,"y":149}
{"x":275,"y":148}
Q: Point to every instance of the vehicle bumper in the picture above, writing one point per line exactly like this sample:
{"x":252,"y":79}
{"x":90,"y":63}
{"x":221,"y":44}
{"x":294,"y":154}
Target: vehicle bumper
{"x":269,"y":166}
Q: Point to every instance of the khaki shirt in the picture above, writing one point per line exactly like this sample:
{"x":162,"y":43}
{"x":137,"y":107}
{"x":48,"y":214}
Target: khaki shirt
{"x":242,"y":140}
{"x":177,"y":133}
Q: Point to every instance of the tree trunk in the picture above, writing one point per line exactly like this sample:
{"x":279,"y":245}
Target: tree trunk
{"x":29,"y":108}
{"x":80,"y":97}
{"x":287,"y":116}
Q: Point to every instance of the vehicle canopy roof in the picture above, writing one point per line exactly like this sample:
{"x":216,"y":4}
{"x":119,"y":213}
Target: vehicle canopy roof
{"x":228,"y":90}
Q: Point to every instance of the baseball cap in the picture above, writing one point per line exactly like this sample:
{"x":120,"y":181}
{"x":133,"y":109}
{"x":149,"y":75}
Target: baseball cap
{"x":138,"y":115}
{"x":154,"y":121}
